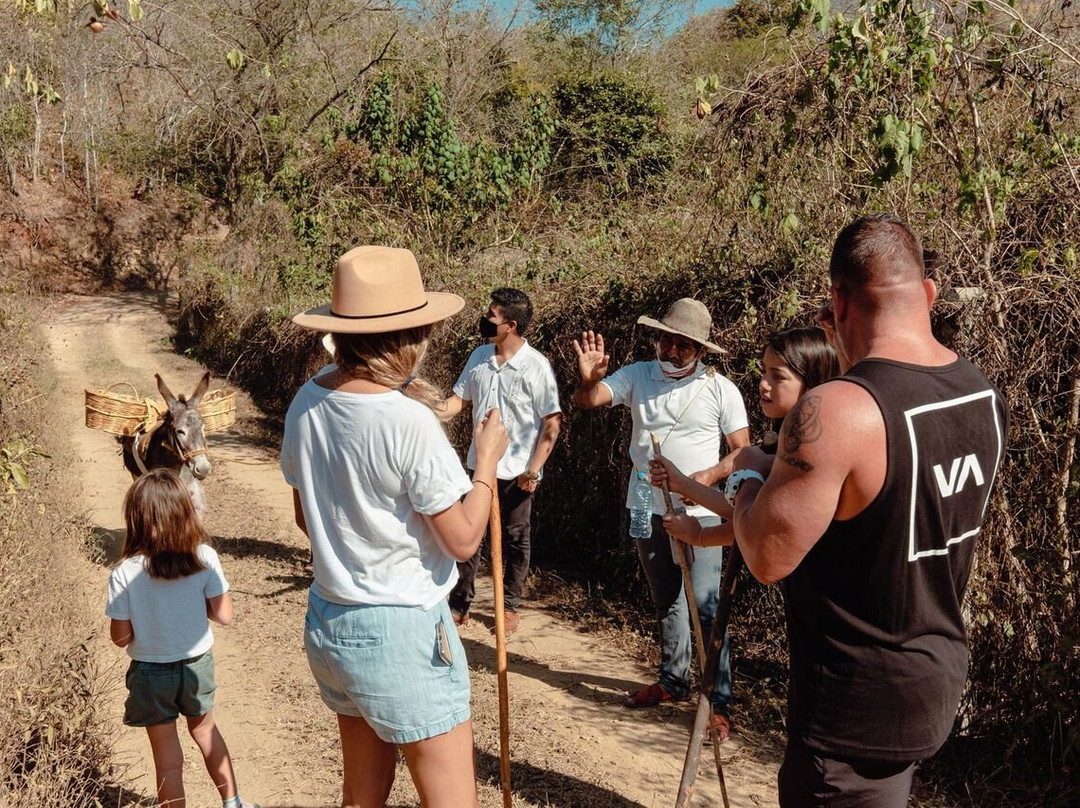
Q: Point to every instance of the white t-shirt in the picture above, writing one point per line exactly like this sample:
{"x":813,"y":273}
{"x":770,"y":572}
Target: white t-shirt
{"x":367,"y":468}
{"x":524,"y":390}
{"x":168,"y":617}
{"x":688,"y":416}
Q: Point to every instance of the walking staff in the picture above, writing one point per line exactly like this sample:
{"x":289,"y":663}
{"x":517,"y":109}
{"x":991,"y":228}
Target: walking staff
{"x":495,"y":537}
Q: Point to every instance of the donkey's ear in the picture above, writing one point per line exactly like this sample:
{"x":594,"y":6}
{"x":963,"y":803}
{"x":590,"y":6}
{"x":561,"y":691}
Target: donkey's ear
{"x":166,"y":393}
{"x":200,"y":391}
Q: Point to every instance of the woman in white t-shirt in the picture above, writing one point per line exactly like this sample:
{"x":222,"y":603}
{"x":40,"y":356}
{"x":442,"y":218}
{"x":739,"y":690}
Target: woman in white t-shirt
{"x":378,"y":490}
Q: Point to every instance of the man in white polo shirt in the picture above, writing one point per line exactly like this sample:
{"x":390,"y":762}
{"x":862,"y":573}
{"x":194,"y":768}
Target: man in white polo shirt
{"x":692,"y":410}
{"x":506,"y":372}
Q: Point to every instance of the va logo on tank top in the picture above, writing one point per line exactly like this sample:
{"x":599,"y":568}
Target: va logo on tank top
{"x":955,"y":449}
{"x":962,"y":470}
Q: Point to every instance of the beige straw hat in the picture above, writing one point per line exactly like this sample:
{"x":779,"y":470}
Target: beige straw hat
{"x":688,"y":318}
{"x":378,"y":290}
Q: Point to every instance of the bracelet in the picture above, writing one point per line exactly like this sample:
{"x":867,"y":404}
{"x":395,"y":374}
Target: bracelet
{"x":735,"y":481}
{"x":488,"y":487}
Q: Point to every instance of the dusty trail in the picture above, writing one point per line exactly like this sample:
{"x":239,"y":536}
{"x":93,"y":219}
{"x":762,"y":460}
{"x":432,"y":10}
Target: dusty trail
{"x":572,"y":744}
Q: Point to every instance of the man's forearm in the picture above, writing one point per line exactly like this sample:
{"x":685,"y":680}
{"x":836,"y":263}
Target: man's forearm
{"x":544,"y":446}
{"x":587,"y":396}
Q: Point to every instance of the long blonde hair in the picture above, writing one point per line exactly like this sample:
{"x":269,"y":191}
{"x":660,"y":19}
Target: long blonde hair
{"x":391,"y":359}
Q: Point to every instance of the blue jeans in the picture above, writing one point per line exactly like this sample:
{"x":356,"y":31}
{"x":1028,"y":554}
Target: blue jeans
{"x":676,"y":633}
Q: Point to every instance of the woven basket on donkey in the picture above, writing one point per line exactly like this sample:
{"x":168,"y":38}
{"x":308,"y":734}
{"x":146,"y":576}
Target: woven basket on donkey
{"x":218,"y":409}
{"x":119,"y":413}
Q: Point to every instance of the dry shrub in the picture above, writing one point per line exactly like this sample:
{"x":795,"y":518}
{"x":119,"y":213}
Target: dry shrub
{"x":53,"y":750}
{"x":745,"y":222}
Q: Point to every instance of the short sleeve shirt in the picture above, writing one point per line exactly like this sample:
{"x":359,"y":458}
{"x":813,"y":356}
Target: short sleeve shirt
{"x":524,"y":390}
{"x":689,"y":417}
{"x":368,"y":469}
{"x":168,"y":617}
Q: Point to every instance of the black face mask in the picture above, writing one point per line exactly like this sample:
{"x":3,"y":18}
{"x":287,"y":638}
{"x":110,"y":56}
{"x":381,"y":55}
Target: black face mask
{"x":488,"y":329}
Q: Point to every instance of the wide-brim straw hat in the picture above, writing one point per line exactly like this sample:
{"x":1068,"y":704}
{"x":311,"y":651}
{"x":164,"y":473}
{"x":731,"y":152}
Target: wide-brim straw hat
{"x":688,"y":318}
{"x":378,"y":290}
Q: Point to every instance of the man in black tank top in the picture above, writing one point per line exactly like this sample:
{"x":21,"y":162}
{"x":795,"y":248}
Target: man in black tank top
{"x":869,"y":516}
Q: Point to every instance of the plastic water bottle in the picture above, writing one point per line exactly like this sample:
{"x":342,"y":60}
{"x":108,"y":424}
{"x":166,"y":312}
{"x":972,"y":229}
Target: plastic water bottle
{"x":641,"y":507}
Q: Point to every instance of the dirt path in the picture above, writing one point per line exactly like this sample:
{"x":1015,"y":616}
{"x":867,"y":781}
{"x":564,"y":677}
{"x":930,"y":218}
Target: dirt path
{"x":572,"y":744}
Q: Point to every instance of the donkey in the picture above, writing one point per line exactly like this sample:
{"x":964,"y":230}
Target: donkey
{"x":177,"y":441}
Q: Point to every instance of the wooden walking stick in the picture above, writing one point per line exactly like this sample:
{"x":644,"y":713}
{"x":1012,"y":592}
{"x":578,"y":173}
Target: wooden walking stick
{"x":679,"y":550}
{"x":708,"y":677}
{"x":495,"y":537}
{"x":702,"y":718}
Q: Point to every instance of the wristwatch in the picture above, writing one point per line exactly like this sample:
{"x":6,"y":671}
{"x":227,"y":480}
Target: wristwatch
{"x":735,"y":481}
{"x":534,"y":476}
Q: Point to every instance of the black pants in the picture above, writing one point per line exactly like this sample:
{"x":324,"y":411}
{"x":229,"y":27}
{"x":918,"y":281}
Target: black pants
{"x":516,"y":508}
{"x":809,"y":780}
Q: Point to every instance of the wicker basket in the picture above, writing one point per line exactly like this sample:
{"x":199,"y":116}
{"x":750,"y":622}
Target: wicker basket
{"x":119,"y":413}
{"x":218,"y":409}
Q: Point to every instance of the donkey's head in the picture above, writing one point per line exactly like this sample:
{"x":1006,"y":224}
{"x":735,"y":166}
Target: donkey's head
{"x":185,"y":426}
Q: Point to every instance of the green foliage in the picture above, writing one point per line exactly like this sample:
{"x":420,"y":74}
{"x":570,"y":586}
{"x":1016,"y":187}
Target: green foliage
{"x":749,"y":19}
{"x":15,"y":459}
{"x":604,"y":26}
{"x":15,"y":126}
{"x":376,"y":122}
{"x":881,"y":71}
{"x":898,"y":141}
{"x":815,"y":11}
{"x":42,"y":7}
{"x":500,"y":162}
{"x":610,"y":129}
{"x":423,"y":163}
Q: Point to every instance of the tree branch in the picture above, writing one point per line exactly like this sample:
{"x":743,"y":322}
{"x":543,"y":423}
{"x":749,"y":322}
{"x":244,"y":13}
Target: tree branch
{"x":332,"y":99}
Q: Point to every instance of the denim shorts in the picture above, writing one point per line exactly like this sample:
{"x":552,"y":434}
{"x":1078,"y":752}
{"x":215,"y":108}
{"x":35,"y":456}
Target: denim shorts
{"x":160,"y":691}
{"x":401,"y":669}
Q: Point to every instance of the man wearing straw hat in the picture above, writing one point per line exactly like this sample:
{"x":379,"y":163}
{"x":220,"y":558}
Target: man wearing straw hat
{"x":691,"y":410}
{"x":388,"y":508}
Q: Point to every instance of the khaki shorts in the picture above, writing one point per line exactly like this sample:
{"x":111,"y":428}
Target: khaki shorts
{"x":158,"y":692}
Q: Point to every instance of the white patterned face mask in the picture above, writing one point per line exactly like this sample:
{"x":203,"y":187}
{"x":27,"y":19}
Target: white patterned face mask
{"x":673,"y":371}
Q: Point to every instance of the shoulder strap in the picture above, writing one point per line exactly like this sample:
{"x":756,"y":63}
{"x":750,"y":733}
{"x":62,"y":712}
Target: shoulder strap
{"x":685,"y":409}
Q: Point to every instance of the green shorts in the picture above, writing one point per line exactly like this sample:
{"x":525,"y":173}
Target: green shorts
{"x":160,"y":691}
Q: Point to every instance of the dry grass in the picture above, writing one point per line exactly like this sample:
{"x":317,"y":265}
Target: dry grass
{"x":52,"y":748}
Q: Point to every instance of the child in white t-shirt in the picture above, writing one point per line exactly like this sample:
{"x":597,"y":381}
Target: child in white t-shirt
{"x":161,"y":594}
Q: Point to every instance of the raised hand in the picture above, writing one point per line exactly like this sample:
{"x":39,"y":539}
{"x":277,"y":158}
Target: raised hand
{"x":592,"y":361}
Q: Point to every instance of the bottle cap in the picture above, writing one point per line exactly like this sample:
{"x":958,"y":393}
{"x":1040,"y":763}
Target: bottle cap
{"x":641,"y":475}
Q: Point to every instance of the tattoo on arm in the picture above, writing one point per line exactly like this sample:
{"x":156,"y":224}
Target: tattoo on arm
{"x":801,"y":426}
{"x":802,"y":465}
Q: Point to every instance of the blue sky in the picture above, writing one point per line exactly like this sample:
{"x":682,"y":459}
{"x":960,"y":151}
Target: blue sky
{"x":691,"y":7}
{"x":706,"y":5}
